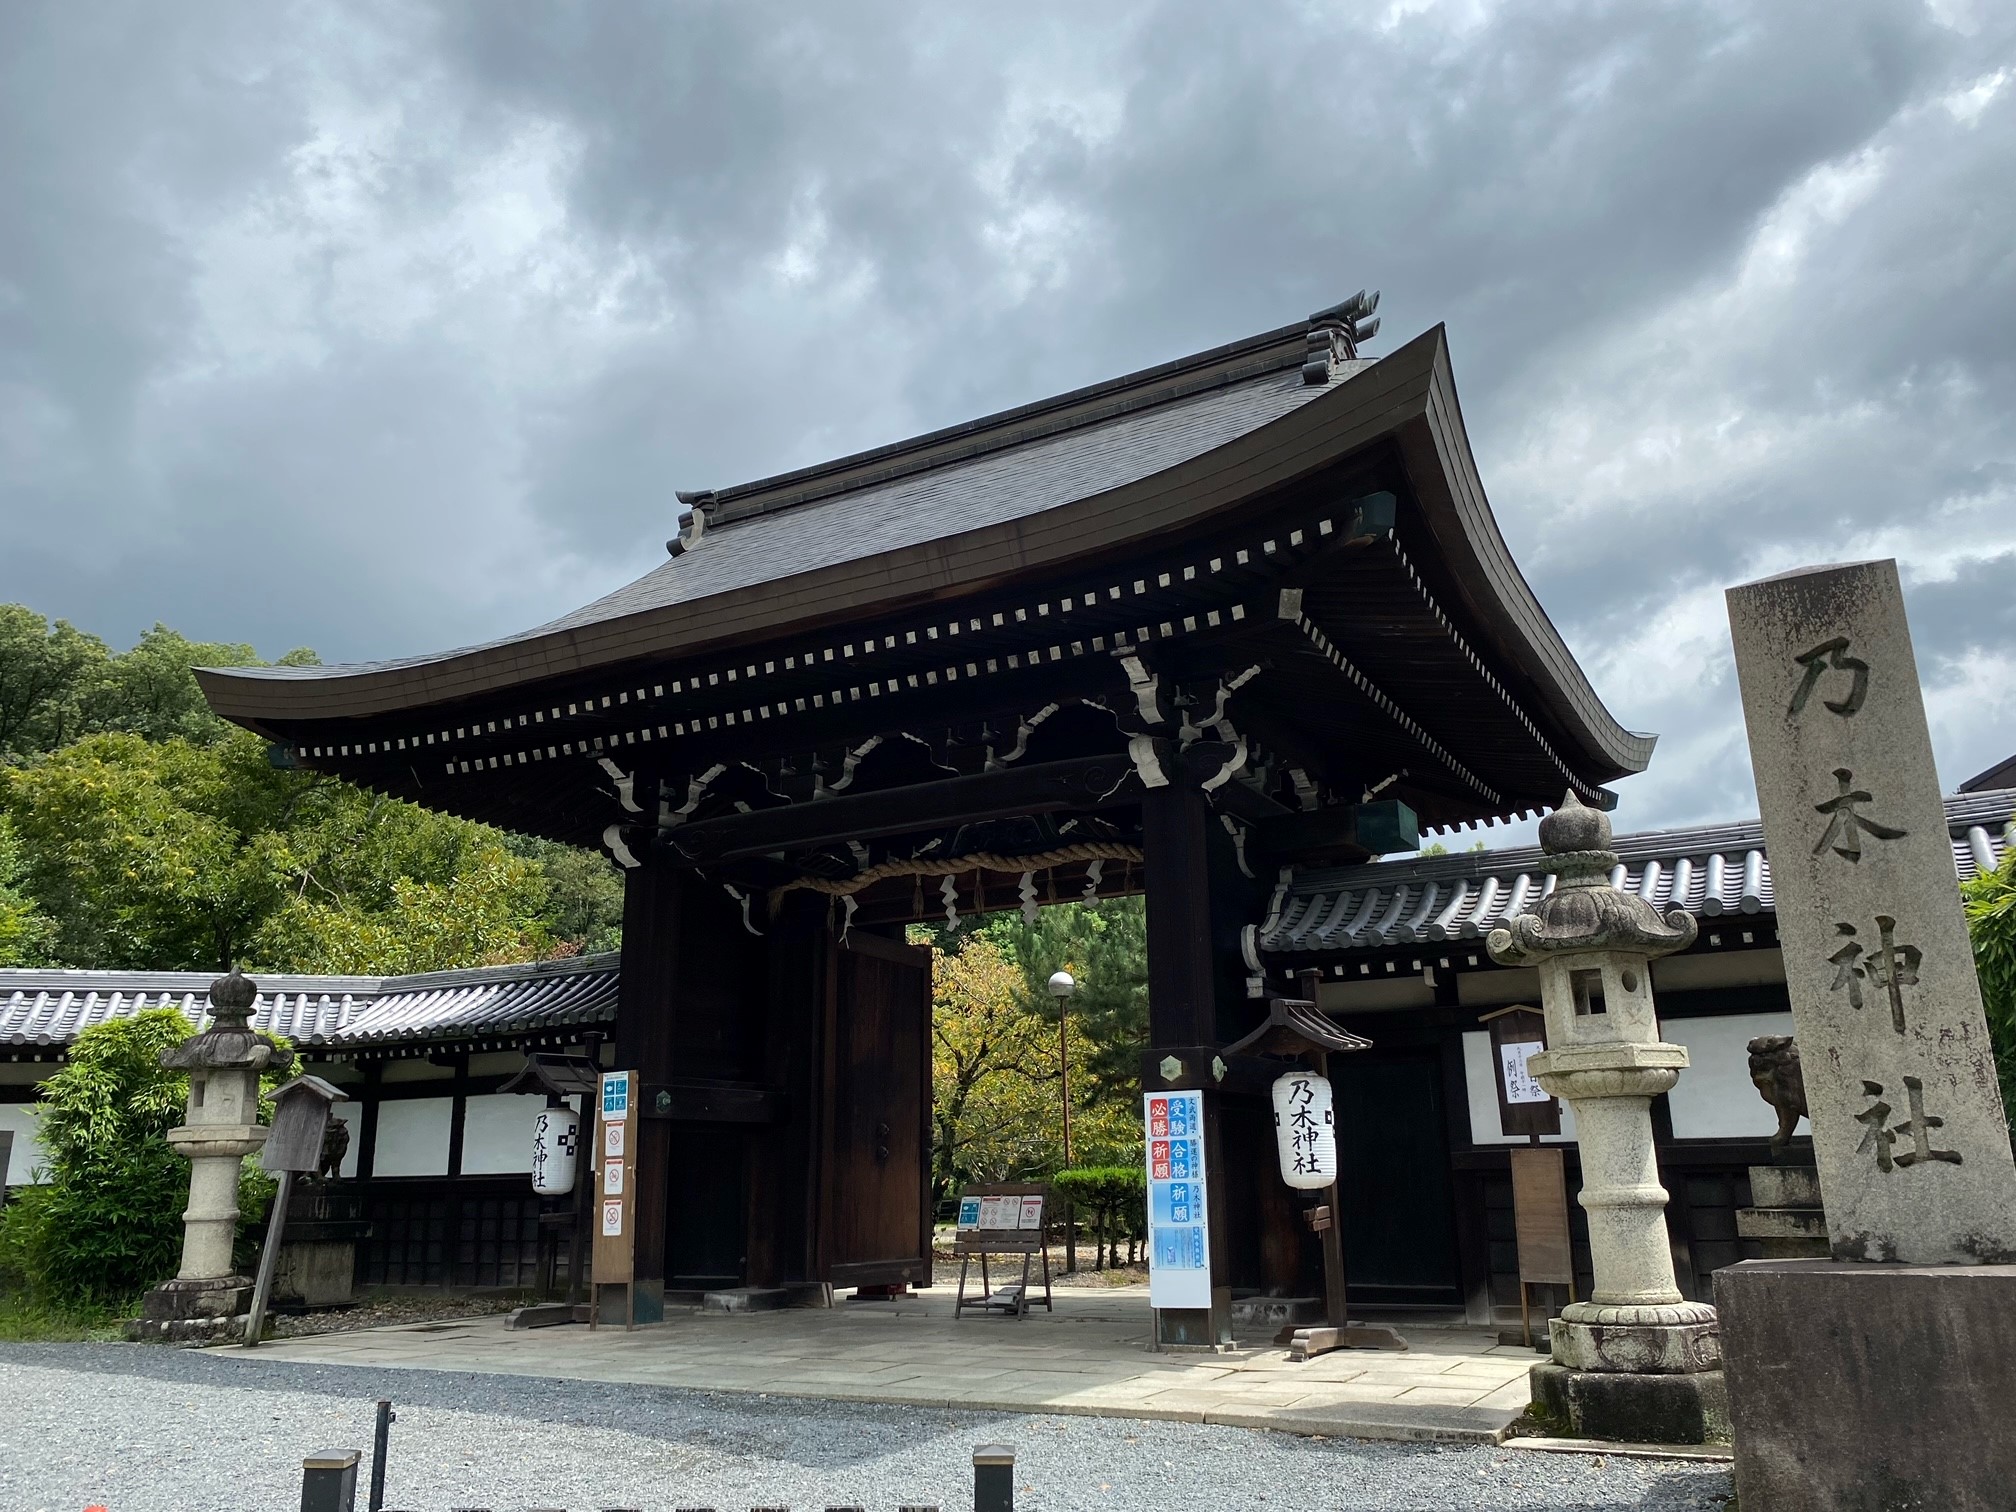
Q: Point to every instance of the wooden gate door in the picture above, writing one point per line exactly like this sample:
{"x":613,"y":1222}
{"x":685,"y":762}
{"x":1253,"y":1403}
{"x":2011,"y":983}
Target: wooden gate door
{"x":1397,"y":1194}
{"x":876,"y":1198}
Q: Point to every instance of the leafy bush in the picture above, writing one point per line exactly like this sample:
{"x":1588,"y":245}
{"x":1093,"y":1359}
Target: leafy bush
{"x":1111,"y":1200}
{"x":108,"y":1223}
{"x":1991,"y":922}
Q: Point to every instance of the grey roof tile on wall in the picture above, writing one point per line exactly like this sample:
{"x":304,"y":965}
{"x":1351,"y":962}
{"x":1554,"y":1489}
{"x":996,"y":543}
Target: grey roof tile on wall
{"x":48,"y":1009}
{"x":1710,"y":871}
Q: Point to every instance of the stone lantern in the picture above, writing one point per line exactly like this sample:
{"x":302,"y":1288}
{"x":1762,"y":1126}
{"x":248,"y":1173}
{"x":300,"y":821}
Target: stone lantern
{"x":221,"y":1128}
{"x":1637,"y":1361}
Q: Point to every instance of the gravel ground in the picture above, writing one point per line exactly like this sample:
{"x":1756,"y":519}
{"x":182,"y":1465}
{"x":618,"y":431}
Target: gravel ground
{"x":147,"y":1429}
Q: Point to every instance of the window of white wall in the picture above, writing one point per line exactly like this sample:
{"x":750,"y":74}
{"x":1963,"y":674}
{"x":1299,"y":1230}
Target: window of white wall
{"x":497,"y":1134}
{"x":413,"y":1137}
{"x":1714,"y":1098}
{"x":20,"y":1118}
{"x":1481,"y":1080}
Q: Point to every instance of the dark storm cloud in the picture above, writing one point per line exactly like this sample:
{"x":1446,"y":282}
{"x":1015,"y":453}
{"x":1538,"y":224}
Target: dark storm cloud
{"x":388,"y":328}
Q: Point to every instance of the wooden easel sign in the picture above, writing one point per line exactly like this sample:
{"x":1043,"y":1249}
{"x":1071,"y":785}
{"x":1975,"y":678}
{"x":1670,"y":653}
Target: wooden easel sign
{"x":615,"y":1195}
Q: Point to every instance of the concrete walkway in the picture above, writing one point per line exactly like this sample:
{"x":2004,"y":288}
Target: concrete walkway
{"x":1091,"y":1356}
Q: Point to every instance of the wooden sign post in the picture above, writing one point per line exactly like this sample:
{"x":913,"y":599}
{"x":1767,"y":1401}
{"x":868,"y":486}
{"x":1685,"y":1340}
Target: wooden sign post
{"x":1539,"y":1174}
{"x":614,"y":1200}
{"x":301,"y":1111}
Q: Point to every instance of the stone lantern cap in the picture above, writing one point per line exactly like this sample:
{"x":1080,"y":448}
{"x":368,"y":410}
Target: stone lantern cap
{"x":230,"y":1042}
{"x":1584,"y":912}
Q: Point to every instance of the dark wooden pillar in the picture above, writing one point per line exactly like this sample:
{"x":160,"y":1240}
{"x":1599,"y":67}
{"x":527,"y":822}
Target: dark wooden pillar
{"x":645,"y":1023}
{"x":785,"y":1158}
{"x":1197,"y":901}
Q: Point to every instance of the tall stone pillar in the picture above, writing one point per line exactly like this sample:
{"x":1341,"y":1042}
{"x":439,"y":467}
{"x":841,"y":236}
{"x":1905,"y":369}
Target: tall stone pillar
{"x":1880,"y":1376}
{"x":1637,"y":1361}
{"x":221,"y":1128}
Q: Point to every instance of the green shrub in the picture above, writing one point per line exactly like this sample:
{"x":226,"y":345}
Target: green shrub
{"x":1990,"y":900}
{"x":108,"y":1223}
{"x":1112,"y":1201}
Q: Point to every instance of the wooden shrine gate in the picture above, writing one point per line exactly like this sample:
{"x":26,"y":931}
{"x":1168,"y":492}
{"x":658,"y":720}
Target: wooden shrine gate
{"x":1171,"y":634}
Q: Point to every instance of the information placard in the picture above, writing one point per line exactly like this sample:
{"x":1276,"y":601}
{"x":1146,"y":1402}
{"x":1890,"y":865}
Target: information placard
{"x":1179,"y":1238}
{"x":615,"y":1241}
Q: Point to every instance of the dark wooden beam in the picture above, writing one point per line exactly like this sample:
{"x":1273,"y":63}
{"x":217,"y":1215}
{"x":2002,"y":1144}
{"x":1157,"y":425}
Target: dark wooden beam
{"x":710,"y":1102}
{"x":1085,"y":782}
{"x":1347,"y":832}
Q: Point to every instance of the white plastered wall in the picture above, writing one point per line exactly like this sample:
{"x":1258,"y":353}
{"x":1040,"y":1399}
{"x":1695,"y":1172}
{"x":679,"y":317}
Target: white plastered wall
{"x":413,"y":1136}
{"x":497,"y":1134}
{"x":20,"y":1119}
{"x":1715,"y":1098}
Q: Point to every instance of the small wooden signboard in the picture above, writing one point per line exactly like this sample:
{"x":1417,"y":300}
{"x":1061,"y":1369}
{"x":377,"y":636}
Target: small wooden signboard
{"x":1517,"y":1035}
{"x":1001,"y":1220}
{"x":6,"y":1155}
{"x":613,"y":1201}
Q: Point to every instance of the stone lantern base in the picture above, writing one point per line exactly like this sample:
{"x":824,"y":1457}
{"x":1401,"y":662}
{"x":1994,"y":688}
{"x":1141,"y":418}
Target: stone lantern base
{"x":206,"y":1307}
{"x":1642,"y":1375}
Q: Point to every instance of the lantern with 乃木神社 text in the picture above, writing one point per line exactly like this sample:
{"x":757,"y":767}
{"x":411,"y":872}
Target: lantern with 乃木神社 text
{"x":1305,"y":1130}
{"x":556,"y":1146}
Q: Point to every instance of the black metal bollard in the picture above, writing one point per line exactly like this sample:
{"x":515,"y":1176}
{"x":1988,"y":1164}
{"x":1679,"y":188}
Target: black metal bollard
{"x":993,"y":1478}
{"x":329,"y":1481}
{"x":381,"y":1440}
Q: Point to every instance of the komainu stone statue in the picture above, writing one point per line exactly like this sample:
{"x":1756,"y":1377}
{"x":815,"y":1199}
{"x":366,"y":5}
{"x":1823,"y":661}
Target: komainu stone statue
{"x":1774,"y":1071}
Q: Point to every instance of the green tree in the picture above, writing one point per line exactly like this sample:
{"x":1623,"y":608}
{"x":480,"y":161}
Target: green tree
{"x":1105,"y":948}
{"x":47,"y":676}
{"x":151,"y":691}
{"x":997,"y":1112}
{"x":151,"y":855}
{"x":107,"y":1223}
{"x":583,"y":908}
{"x":25,"y":933}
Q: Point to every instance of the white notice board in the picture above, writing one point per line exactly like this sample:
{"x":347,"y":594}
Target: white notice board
{"x":1179,"y":1236}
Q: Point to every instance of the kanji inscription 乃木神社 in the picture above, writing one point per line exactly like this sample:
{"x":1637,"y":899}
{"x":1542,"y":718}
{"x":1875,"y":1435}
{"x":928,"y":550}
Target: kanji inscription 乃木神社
{"x":1908,"y":1127}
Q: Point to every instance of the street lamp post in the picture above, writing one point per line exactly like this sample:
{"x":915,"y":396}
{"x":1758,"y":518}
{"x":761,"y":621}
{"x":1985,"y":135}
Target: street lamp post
{"x":1062,"y":985}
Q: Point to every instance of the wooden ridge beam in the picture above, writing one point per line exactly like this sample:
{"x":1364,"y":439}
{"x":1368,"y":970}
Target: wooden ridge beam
{"x":1085,"y":782}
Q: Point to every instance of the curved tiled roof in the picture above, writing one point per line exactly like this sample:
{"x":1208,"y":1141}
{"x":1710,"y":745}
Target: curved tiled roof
{"x":48,"y":1009}
{"x":1719,"y":869}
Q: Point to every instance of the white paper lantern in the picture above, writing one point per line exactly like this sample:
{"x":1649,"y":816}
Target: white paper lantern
{"x":556,"y":1149}
{"x":1305,"y":1130}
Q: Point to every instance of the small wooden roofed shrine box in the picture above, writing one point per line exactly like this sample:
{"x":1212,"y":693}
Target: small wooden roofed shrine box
{"x":1165,"y":634}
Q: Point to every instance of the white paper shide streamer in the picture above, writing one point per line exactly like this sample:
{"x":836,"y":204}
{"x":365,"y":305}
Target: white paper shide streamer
{"x":556,"y":1145}
{"x":1305,"y":1130}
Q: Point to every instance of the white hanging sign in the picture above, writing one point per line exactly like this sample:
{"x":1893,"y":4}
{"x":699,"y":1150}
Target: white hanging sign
{"x":556,"y":1151}
{"x":1520,"y":1085}
{"x":1305,"y":1130}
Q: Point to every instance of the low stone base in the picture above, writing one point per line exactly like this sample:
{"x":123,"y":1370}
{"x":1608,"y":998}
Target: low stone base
{"x":745,"y":1299}
{"x":210,"y":1297}
{"x":1787,"y":1221}
{"x":187,"y":1330}
{"x":1635,"y":1409}
{"x":1871,"y":1388}
{"x":1277,"y":1312}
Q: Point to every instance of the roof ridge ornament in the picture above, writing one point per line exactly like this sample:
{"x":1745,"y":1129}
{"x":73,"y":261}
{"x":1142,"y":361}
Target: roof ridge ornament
{"x":1335,"y":333}
{"x":701,"y":501}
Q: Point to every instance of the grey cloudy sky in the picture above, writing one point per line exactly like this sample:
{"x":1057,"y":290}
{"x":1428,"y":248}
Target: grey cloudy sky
{"x":385,"y":328}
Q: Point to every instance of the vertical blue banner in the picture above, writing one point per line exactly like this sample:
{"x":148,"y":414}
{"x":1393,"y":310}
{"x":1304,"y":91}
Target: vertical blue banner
{"x":1179,"y":1238}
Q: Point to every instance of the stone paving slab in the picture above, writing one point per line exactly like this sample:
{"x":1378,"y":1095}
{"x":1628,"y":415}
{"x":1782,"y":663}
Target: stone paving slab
{"x":1091,"y":1357}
